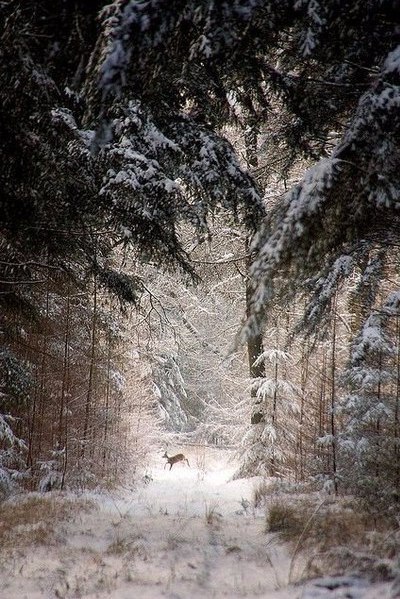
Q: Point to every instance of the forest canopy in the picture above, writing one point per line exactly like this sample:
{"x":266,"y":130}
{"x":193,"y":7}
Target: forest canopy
{"x":111,"y":121}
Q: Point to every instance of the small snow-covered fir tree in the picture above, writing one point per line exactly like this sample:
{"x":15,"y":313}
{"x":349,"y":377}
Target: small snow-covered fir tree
{"x":12,"y":457}
{"x":268,"y":445}
{"x":15,"y":383}
{"x":369,"y":445}
{"x":52,"y":471}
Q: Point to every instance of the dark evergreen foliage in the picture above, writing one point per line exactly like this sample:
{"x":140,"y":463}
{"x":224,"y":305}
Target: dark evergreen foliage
{"x":333,"y":67}
{"x":57,"y":195}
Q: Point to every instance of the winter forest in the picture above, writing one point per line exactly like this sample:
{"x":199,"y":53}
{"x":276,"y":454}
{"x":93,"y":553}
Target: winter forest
{"x":199,"y":253}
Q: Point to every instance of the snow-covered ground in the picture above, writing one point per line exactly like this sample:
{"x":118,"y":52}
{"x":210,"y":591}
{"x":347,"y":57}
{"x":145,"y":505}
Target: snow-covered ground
{"x":188,"y":533}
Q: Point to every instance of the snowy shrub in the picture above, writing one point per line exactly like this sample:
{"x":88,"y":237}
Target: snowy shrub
{"x":51,"y":471}
{"x":11,"y":457}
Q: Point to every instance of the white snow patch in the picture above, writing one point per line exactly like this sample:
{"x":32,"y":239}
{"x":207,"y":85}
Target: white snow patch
{"x":189,"y":533}
{"x":392,"y":62}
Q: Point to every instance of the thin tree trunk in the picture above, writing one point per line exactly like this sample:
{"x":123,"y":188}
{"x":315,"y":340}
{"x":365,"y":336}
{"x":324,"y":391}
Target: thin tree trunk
{"x":274,"y":417}
{"x":378,"y":421}
{"x":32,"y":418}
{"x":89,"y":394}
{"x":63,"y":414}
{"x":107,"y":406}
{"x":255,"y":348}
{"x":41,"y":403}
{"x":304,"y":378}
{"x":333,"y":398}
{"x":397,"y":408}
{"x":319,"y":421}
{"x":65,"y":375}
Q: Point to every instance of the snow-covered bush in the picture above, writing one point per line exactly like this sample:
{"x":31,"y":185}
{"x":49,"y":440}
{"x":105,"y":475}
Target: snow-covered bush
{"x":12,"y":450}
{"x":15,"y":383}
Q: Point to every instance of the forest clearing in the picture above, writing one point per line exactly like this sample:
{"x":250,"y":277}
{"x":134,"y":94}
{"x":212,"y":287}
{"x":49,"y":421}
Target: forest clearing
{"x":188,"y":533}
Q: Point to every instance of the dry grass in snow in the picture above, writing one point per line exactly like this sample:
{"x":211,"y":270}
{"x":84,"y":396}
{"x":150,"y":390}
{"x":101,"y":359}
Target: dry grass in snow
{"x":189,"y":533}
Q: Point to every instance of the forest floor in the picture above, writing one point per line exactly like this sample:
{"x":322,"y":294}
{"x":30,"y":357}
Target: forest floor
{"x":188,"y":533}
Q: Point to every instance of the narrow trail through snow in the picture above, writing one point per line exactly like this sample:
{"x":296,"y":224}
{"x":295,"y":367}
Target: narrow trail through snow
{"x":189,"y":533}
{"x":198,"y":534}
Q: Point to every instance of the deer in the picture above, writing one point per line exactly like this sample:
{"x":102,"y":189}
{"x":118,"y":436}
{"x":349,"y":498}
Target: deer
{"x":173,"y":459}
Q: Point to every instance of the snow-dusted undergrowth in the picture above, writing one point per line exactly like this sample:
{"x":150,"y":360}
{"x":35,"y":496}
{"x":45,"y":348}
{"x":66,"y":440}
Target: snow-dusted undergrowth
{"x":187,"y":533}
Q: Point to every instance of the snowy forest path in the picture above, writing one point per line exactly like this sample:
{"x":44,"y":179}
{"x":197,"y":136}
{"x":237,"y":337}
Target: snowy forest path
{"x":202,"y":535}
{"x":186,"y":533}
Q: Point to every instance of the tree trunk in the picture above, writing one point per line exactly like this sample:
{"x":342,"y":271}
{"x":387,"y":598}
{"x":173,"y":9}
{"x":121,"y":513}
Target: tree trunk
{"x":89,"y":394}
{"x":396,"y":409}
{"x":300,"y":443}
{"x":107,"y":405}
{"x":333,"y":399}
{"x":65,"y":375}
{"x":40,"y":407}
{"x":255,"y":346}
